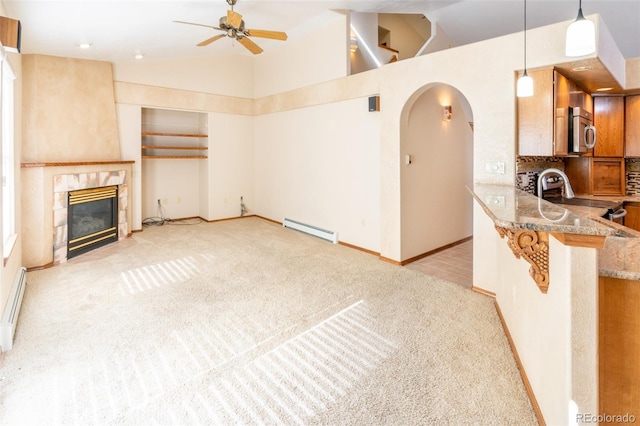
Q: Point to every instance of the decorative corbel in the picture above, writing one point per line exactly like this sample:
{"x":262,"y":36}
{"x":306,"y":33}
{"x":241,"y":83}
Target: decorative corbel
{"x":534,"y":248}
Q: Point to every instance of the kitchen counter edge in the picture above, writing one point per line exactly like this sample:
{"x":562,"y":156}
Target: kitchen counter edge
{"x":510,"y":207}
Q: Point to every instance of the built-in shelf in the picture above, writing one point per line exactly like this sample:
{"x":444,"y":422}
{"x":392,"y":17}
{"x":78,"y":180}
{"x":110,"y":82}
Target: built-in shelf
{"x":181,"y":135}
{"x":169,"y":157}
{"x":187,"y":142}
{"x":174,"y":147}
{"x":174,"y":153}
{"x":170,"y":152}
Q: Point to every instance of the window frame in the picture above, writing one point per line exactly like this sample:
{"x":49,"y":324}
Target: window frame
{"x":7,"y":146}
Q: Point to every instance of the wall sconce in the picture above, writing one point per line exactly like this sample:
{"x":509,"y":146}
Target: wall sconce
{"x":447,"y":113}
{"x":353,"y":43}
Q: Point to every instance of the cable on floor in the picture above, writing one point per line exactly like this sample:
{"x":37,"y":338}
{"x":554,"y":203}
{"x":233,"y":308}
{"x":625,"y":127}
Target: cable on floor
{"x":189,"y":221}
{"x":158,"y":220}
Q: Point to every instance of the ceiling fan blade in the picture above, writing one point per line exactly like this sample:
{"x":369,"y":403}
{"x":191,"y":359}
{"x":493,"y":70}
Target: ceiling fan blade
{"x":276,"y":35}
{"x":234,"y":19}
{"x":253,"y":48}
{"x":200,"y":25}
{"x":211,"y":40}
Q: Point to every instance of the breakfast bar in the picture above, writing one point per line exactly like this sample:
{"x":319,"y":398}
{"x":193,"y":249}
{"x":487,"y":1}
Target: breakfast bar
{"x":581,"y":327}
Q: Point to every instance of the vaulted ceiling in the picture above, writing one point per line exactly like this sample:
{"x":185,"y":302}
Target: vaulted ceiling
{"x":117,"y":29}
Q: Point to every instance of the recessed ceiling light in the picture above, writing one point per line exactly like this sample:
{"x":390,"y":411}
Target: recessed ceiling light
{"x":139,"y":55}
{"x":604,"y":89}
{"x":84,"y":45}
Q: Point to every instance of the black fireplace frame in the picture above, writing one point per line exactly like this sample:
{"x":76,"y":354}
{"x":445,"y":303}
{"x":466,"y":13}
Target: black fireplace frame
{"x":85,"y":243}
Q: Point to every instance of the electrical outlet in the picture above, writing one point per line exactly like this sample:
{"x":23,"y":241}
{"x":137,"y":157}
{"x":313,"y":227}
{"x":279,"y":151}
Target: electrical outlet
{"x":496,"y":167}
{"x":494,"y":200}
{"x":165,"y":201}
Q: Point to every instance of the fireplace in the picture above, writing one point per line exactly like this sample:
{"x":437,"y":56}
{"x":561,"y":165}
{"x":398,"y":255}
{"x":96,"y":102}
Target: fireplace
{"x":92,"y":219}
{"x":44,"y":213}
{"x":63,"y":184}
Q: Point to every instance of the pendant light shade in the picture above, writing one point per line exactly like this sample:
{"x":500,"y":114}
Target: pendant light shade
{"x":581,"y":36}
{"x":525,"y":83}
{"x":525,"y":86}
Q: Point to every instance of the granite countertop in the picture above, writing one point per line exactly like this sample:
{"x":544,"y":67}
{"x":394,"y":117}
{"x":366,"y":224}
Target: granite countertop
{"x":510,"y":207}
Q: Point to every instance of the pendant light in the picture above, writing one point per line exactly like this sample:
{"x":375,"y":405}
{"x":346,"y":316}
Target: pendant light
{"x":525,"y":83}
{"x":581,"y":36}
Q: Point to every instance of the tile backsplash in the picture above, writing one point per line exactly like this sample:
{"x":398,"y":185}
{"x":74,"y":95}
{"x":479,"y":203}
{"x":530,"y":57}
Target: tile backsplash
{"x":632,"y":170}
{"x":527,"y":169}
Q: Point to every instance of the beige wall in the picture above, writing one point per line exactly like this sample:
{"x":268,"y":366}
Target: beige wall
{"x":231,"y":170}
{"x":319,"y":165}
{"x":69,"y":110}
{"x":319,"y":56}
{"x":555,"y":333}
{"x":633,"y":72}
{"x":129,"y":129}
{"x":222,"y":76}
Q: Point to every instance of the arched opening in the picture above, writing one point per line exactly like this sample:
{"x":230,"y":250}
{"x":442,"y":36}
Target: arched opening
{"x":436,"y":169}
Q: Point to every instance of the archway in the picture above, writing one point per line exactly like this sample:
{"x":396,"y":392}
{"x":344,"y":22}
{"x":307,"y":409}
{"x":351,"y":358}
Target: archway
{"x":436,"y":168}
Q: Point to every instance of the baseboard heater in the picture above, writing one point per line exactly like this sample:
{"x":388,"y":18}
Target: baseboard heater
{"x":12,"y":309}
{"x":311,"y":230}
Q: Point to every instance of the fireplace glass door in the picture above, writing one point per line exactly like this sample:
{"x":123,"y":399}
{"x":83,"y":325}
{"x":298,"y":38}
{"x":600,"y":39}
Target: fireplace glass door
{"x":92,"y":219}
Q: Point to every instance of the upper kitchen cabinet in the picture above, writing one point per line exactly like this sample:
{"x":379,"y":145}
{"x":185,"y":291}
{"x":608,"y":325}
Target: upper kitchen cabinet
{"x":543,"y":119}
{"x":632,"y":126}
{"x":609,"y":122}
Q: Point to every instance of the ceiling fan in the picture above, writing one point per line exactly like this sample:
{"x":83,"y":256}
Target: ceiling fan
{"x":233,"y":26}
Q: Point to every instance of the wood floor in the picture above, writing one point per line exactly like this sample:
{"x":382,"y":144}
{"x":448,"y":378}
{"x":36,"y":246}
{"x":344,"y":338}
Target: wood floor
{"x":454,"y":264}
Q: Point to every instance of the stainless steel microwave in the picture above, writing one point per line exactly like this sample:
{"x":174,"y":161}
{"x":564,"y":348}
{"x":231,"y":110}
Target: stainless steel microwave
{"x":582,"y":133}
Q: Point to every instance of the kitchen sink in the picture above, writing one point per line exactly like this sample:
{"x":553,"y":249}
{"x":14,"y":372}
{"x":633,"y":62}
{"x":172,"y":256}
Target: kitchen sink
{"x":586,"y":202}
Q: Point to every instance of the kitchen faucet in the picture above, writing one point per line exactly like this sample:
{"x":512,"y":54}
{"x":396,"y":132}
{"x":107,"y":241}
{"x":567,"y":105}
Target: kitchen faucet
{"x":568,"y":191}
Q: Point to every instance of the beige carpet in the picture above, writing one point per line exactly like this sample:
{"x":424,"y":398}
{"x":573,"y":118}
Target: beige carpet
{"x":245,"y":322}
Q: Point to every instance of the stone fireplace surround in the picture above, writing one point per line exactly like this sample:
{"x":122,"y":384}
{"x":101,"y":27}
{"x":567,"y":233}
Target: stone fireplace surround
{"x":62,"y":184}
{"x":44,"y":187}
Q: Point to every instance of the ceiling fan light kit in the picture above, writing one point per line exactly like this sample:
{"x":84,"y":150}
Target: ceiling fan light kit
{"x":233,"y":26}
{"x":581,"y":36}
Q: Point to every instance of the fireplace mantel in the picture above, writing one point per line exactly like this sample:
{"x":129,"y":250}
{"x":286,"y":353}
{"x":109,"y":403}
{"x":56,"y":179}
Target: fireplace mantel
{"x":73,"y":163}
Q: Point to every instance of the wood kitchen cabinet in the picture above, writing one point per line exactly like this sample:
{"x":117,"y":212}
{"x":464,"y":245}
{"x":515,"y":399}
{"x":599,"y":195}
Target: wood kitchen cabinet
{"x":607,"y":176}
{"x":632,"y":126}
{"x":609,"y":121}
{"x":619,"y":346}
{"x":596,"y":175}
{"x":542,"y":132}
{"x":543,"y":128}
{"x":632,"y":219}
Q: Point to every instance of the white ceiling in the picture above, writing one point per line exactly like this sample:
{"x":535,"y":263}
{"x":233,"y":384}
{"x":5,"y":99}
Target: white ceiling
{"x":118,"y":29}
